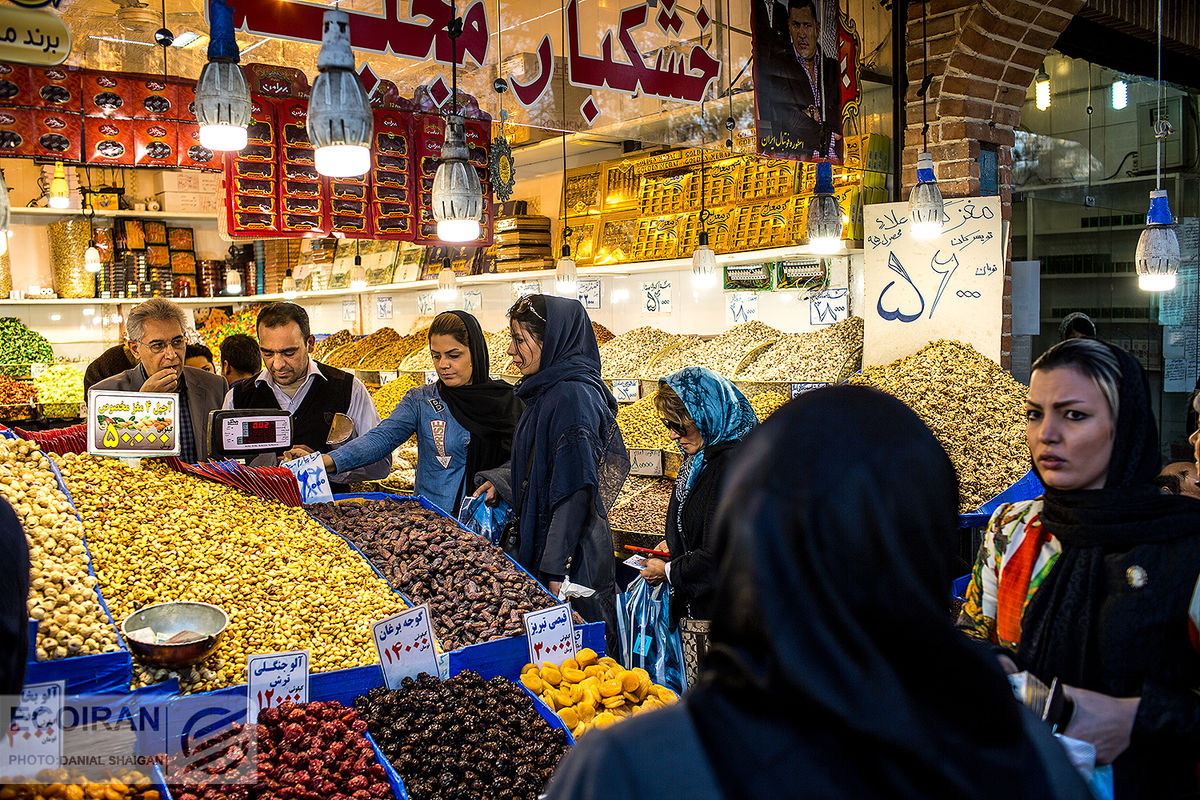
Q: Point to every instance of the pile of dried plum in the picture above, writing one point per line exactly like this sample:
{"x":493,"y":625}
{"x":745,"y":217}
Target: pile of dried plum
{"x":473,"y":590}
{"x":463,"y":738}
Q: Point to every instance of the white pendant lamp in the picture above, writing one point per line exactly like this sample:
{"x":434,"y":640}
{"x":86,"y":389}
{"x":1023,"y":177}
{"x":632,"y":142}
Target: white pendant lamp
{"x":5,"y":215}
{"x":447,"y":290}
{"x":457,"y":191}
{"x":566,"y":275}
{"x":358,"y":273}
{"x":1041,"y":89}
{"x":704,"y":259}
{"x":222,"y":95}
{"x":340,"y":122}
{"x":91,"y":258}
{"x":233,"y":281}
{"x":289,"y":286}
{"x":59,"y":190}
{"x":824,"y":214}
{"x":1120,"y":95}
{"x":1157,"y":259}
{"x":925,"y":204}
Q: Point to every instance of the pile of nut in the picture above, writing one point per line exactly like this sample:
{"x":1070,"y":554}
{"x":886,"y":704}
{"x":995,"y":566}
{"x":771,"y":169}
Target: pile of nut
{"x":347,"y":356}
{"x":973,"y":407}
{"x":767,"y":403}
{"x":628,"y":355}
{"x":642,"y":505}
{"x":498,"y":361}
{"x":316,"y":750}
{"x":60,"y":390}
{"x":62,"y":594}
{"x":592,"y":692}
{"x":388,"y":396}
{"x":63,"y":784}
{"x":16,"y":399}
{"x":287,"y":583}
{"x":819,"y":357}
{"x":20,"y":347}
{"x":641,"y":427}
{"x":392,"y":356}
{"x":474,"y":592}
{"x":603,"y":334}
{"x":330,"y":343}
{"x":722,"y":354}
{"x":463,"y":737}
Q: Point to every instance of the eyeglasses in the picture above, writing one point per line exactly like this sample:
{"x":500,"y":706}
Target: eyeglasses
{"x":674,"y":427}
{"x":158,"y":345}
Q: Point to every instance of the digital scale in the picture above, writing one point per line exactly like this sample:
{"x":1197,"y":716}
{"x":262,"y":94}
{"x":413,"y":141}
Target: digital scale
{"x":248,"y":432}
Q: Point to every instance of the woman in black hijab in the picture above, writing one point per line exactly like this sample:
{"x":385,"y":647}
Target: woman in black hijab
{"x":833,"y":669}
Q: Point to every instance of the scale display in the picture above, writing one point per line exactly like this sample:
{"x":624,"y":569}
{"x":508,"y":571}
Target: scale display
{"x":240,"y":433}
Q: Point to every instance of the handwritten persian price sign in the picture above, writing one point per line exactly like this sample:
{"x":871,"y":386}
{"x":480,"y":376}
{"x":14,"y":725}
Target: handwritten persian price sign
{"x":383,"y":307}
{"x":740,"y":307}
{"x":133,"y":424}
{"x":405,"y":646}
{"x":645,"y":462}
{"x":627,"y":391}
{"x":830,"y":306}
{"x":34,"y":739}
{"x":425,"y":304}
{"x":522,"y":288}
{"x":918,"y":290}
{"x":800,"y":388}
{"x":550,"y":634}
{"x":387,"y":376}
{"x":472,"y":300}
{"x":589,"y":292}
{"x":349,"y":311}
{"x":40,"y":38}
{"x":312,"y":478}
{"x":273,"y":679}
{"x":656,"y":297}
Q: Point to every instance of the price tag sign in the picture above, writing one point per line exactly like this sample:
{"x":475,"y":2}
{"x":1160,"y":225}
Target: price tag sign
{"x":386,"y":377}
{"x":431,"y":376}
{"x":646,"y":462}
{"x":550,"y":635}
{"x":33,"y":739}
{"x":273,"y":679}
{"x":472,"y":300}
{"x":522,"y":288}
{"x":800,"y":388}
{"x":312,"y":478}
{"x":589,"y":292}
{"x":656,"y":297}
{"x":627,"y":391}
{"x":37,"y":370}
{"x":425,"y":304}
{"x":830,"y":306}
{"x":740,"y":307}
{"x":383,"y":307}
{"x":349,"y":311}
{"x":133,"y":424}
{"x":405,"y":645}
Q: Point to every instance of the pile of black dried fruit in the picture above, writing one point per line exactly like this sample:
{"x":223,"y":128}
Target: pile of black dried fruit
{"x":474,"y":592}
{"x":313,"y":751}
{"x":463,"y":738}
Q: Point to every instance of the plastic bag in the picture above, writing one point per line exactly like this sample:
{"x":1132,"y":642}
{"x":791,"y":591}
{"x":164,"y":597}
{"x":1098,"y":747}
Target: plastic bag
{"x":644,"y":625}
{"x":488,"y":521}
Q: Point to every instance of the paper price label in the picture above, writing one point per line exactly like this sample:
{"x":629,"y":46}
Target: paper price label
{"x":431,"y":376}
{"x":550,"y":634}
{"x":656,"y":297}
{"x":830,"y":306}
{"x":273,"y":679}
{"x":741,"y":307}
{"x":312,"y":478}
{"x":37,"y":370}
{"x":472,"y":300}
{"x":132,"y":424}
{"x":425,"y":304}
{"x":589,"y":292}
{"x":386,"y":377}
{"x":349,"y":311}
{"x":34,"y":739}
{"x":645,"y":462}
{"x":627,"y":391}
{"x":522,"y":288}
{"x":405,"y":645}
{"x":383,"y":308}
{"x":800,"y":388}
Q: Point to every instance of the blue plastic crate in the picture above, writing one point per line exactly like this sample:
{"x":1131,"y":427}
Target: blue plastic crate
{"x":959,"y":587}
{"x":1028,"y":487}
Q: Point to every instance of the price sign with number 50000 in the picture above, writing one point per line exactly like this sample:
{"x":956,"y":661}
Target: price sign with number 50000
{"x":406,"y":645}
{"x":551,"y":635}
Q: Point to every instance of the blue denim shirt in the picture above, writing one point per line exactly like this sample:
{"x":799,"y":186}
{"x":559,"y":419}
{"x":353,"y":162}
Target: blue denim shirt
{"x":441,"y":445}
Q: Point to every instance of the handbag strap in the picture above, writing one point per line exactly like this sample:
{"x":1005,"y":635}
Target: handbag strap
{"x":515,"y":518}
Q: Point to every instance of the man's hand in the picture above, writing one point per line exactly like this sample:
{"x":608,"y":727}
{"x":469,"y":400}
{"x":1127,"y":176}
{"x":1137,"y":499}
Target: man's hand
{"x":490,"y":490}
{"x":554,"y":586}
{"x":1104,"y":721}
{"x":655,"y":570}
{"x":164,"y":381}
{"x":299,"y":451}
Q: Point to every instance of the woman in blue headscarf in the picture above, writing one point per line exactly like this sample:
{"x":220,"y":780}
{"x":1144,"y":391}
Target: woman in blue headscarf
{"x":568,"y":458}
{"x":707,"y":416}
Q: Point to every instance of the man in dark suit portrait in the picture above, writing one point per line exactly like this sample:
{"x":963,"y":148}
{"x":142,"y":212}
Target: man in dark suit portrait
{"x":799,"y":102}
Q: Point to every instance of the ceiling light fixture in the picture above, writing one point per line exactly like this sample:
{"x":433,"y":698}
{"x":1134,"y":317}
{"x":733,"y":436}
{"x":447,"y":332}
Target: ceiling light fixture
{"x":925,"y":206}
{"x":704,"y":259}
{"x":1120,"y":95}
{"x":222,"y":95}
{"x":233,"y":281}
{"x":59,"y":190}
{"x":1041,"y":89}
{"x":457,"y":192}
{"x":824,"y":214}
{"x":447,"y":291}
{"x":1157,"y":258}
{"x":340,"y":122}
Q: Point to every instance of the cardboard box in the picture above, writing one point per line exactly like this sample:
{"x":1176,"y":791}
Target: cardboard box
{"x":189,"y":202}
{"x":193,"y":154}
{"x":155,"y":144}
{"x":155,"y":98}
{"x":16,"y":131}
{"x":16,"y":86}
{"x":57,"y":134}
{"x":107,"y":141}
{"x":184,"y":109}
{"x":107,"y":94}
{"x":56,"y":87}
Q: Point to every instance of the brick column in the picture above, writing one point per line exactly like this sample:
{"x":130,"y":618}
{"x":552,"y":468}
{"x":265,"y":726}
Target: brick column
{"x":983,"y":54}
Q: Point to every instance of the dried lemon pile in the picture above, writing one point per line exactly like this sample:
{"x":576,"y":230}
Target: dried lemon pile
{"x":641,"y":427}
{"x":286,"y":582}
{"x":592,"y":692}
{"x":973,"y":407}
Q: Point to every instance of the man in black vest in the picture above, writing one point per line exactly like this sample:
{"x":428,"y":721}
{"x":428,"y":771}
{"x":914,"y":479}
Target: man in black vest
{"x":312,"y":392}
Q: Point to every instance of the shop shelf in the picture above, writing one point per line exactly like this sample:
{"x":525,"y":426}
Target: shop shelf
{"x":166,"y":216}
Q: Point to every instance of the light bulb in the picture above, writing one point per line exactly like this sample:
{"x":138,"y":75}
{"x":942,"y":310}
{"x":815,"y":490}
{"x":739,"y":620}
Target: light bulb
{"x":925,"y":206}
{"x":91,"y":259}
{"x":223,"y":108}
{"x":233,"y":281}
{"x":824,"y":226}
{"x":289,"y":286}
{"x":1041,"y":90}
{"x":1120,"y":95}
{"x":566,"y":276}
{"x":58,"y":188}
{"x":457,"y":192}
{"x":447,"y":290}
{"x":342,"y":160}
{"x":458,"y":230}
{"x":340,"y":121}
{"x":358,"y":275}
{"x":704,"y":264}
{"x":1157,"y":259}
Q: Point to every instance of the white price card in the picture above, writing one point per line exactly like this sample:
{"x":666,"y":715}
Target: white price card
{"x":550,"y":634}
{"x":405,"y":645}
{"x":800,"y":388}
{"x":472,"y":300}
{"x":33,"y":739}
{"x":37,"y":370}
{"x":627,"y":390}
{"x":740,"y":307}
{"x":383,"y":307}
{"x":645,"y":462}
{"x":312,"y":478}
{"x":656,"y":296}
{"x":431,"y":376}
{"x":830,"y":306}
{"x":349,"y":310}
{"x":273,"y":679}
{"x":387,"y":376}
{"x":425,"y":304}
{"x":589,"y":292}
{"x":522,"y":288}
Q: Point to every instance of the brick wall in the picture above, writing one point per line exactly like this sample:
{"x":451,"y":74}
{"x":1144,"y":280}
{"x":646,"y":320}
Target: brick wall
{"x":983,"y":54}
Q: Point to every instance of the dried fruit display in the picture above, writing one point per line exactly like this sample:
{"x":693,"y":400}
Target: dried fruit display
{"x":593,"y":692}
{"x":62,"y":595}
{"x":722,"y":354}
{"x":20,"y":346}
{"x":498,"y":360}
{"x":474,"y":592}
{"x":644,"y":508}
{"x":767,"y":403}
{"x":463,"y":737}
{"x":330,"y":343}
{"x":212,"y":327}
{"x":417,"y":361}
{"x":15,"y":392}
{"x":347,"y":356}
{"x":391,"y":356}
{"x":603,"y":334}
{"x":973,"y":407}
{"x":63,"y":784}
{"x":298,"y":751}
{"x":641,"y":427}
{"x":158,"y":535}
{"x":628,"y":355}
{"x":60,"y":390}
{"x":388,"y":396}
{"x":824,"y":356}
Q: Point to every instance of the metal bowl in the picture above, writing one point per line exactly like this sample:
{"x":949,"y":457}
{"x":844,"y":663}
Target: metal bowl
{"x":173,"y":618}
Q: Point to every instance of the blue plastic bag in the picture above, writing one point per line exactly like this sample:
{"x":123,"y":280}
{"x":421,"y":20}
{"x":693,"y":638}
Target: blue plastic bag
{"x":644,"y":623}
{"x":488,"y":521}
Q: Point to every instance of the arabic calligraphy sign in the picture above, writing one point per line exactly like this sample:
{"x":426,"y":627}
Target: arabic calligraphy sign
{"x":273,"y":679}
{"x":918,"y":290}
{"x":33,"y":37}
{"x":550,"y":634}
{"x":405,"y":646}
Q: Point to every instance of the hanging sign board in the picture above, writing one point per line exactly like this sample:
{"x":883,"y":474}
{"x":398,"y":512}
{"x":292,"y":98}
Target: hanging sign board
{"x":39,"y":38}
{"x":133,"y":424}
{"x":919,"y":290}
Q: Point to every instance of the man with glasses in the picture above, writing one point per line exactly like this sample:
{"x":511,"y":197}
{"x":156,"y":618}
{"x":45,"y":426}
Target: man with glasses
{"x":156,"y":339}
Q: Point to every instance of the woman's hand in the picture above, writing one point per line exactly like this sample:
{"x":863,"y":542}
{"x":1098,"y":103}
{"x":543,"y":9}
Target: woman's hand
{"x":655,"y":570}
{"x":1105,"y":722}
{"x":488,"y":489}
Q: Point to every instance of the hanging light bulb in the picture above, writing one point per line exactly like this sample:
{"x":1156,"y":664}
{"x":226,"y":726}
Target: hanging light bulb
{"x":289,"y":286}
{"x":5,"y":215}
{"x":1157,"y":259}
{"x":566,"y":276}
{"x":704,"y":264}
{"x":447,"y":290}
{"x":457,"y":193}
{"x":233,"y":281}
{"x":925,"y":201}
{"x":3,"y":242}
{"x":358,"y":274}
{"x":824,"y":214}
{"x":339,"y":117}
{"x":58,"y":188}
{"x":222,"y":96}
{"x":1120,"y":95}
{"x":91,"y":258}
{"x":1041,"y":89}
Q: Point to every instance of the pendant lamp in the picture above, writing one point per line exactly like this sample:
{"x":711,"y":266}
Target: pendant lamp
{"x":925,"y":205}
{"x":91,"y":258}
{"x":704,"y":259}
{"x":566,"y":276}
{"x":358,"y":273}
{"x":447,"y":290}
{"x":457,"y":192}
{"x":1157,"y":259}
{"x":222,"y":96}
{"x":1041,"y":89}
{"x":59,"y":190}
{"x":824,"y":214}
{"x":5,"y":215}
{"x":233,"y":281}
{"x":340,"y":122}
{"x":289,"y":286}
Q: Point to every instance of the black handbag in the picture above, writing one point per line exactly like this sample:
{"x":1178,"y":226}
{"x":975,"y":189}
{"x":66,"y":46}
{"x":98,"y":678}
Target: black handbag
{"x":510,"y":535}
